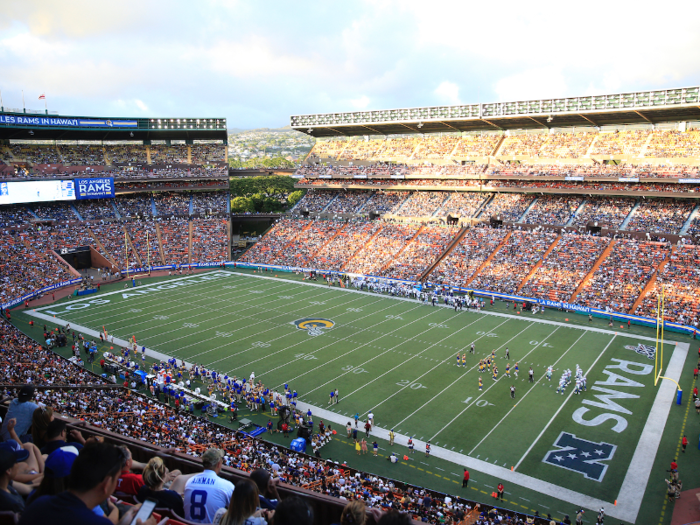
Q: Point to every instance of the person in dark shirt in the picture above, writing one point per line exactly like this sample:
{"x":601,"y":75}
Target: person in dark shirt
{"x":56,"y":435}
{"x":9,"y":467}
{"x":93,"y":478}
{"x":267,"y":488}
{"x":155,"y":475}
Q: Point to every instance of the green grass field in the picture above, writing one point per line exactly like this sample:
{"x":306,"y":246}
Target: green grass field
{"x":397,"y":358}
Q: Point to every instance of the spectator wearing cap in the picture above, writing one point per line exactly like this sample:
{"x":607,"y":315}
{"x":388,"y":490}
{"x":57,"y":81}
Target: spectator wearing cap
{"x":206,"y":492}
{"x":93,"y":477}
{"x":29,"y":468}
{"x":10,"y":461}
{"x":267,"y":488}
{"x":22,"y":410}
{"x":56,"y":434}
{"x":57,"y":469}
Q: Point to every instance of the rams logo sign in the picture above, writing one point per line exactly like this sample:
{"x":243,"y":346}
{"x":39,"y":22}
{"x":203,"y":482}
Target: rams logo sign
{"x":314,"y":325}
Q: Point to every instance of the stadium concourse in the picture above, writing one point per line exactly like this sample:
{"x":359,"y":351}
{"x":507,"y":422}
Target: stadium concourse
{"x":543,"y":216}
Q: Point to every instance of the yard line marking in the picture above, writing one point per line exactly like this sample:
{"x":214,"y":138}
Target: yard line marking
{"x":484,"y":312}
{"x":458,"y":379}
{"x":420,"y":376}
{"x":560,"y":408}
{"x":397,"y":366}
{"x":490,"y":387}
{"x":326,"y":346}
{"x":531,"y":390}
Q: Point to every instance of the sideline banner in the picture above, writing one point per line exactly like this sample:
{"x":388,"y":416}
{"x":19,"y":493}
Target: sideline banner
{"x":19,"y":120}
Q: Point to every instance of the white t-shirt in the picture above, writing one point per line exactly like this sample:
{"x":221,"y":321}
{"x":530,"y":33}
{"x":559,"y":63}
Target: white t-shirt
{"x":206,"y":493}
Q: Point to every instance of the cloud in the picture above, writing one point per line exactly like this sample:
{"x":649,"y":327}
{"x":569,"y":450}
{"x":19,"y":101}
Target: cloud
{"x":448,"y":93}
{"x":141,"y":105}
{"x":360,"y":103}
{"x":531,"y":84}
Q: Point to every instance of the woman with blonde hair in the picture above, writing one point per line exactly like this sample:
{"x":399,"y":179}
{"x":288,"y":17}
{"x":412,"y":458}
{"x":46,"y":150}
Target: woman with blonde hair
{"x":354,"y":513}
{"x":155,"y":476}
{"x":243,"y":508}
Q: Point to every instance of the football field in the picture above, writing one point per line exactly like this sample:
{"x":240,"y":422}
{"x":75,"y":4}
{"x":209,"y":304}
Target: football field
{"x":398,"y":358}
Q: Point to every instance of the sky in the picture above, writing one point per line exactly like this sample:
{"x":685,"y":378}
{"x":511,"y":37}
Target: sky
{"x":257,"y":63}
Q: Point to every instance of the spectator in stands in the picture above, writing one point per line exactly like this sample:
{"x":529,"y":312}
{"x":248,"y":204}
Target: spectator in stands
{"x":10,"y":461}
{"x":243,"y":509}
{"x":93,"y":477}
{"x":129,"y":482}
{"x":155,"y":476}
{"x":206,"y":493}
{"x":56,"y":435}
{"x":40,"y":421}
{"x":22,"y":410}
{"x":354,"y":513}
{"x":267,"y":488}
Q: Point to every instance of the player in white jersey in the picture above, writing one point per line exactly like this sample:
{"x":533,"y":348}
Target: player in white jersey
{"x":562,"y":386}
{"x":550,"y":369}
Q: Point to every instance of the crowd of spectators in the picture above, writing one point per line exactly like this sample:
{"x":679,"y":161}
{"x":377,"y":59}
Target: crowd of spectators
{"x":36,"y":154}
{"x":382,"y":249}
{"x":173,"y":204}
{"x":327,"y":149}
{"x":467,"y":257}
{"x":386,"y":201}
{"x":462,"y":204}
{"x":144,"y":238}
{"x":620,"y":143}
{"x":175,"y":237}
{"x":420,"y":253}
{"x":621,"y":277}
{"x":509,"y":206}
{"x":310,"y":240}
{"x":514,"y":261}
{"x":14,"y":214}
{"x":315,"y":201}
{"x":112,"y":244}
{"x":680,"y":279}
{"x":565,"y":267}
{"x":435,"y":148}
{"x":209,"y":240}
{"x":526,"y":144}
{"x":674,"y":144}
{"x":24,"y":268}
{"x":352,"y":237}
{"x":552,"y":209}
{"x":609,"y":212}
{"x":349,"y":202}
{"x":133,"y":206}
{"x":474,"y":146}
{"x":566,"y":145}
{"x":204,"y":153}
{"x":165,"y":185}
{"x":210,"y":203}
{"x":174,"y":154}
{"x":423,"y":204}
{"x":275,"y":240}
{"x":94,"y":210}
{"x":127,"y":154}
{"x":59,"y":211}
{"x":82,"y":155}
{"x":660,"y":216}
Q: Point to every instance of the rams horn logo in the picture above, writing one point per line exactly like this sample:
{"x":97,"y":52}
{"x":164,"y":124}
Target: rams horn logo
{"x":314,"y":325}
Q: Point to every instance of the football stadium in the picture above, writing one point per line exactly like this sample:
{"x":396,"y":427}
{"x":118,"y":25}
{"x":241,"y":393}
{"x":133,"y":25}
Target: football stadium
{"x":466,"y":314}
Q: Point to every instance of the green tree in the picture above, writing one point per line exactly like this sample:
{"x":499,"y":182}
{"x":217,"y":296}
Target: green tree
{"x":295,"y":197}
{"x":242,"y":205}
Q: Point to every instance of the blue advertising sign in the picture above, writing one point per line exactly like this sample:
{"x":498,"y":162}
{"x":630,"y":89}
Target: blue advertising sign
{"x":94,"y":188}
{"x":18,"y":120}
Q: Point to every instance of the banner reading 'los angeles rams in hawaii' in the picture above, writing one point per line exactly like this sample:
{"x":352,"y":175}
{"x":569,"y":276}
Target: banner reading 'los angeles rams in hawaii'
{"x":94,"y":188}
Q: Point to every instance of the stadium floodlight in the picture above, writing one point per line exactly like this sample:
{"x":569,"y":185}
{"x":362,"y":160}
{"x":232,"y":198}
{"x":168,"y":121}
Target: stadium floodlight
{"x":420,"y":124}
{"x":310,"y":130}
{"x":550,"y":118}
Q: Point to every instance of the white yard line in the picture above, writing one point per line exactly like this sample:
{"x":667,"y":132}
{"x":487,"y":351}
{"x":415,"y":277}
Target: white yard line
{"x":560,"y":408}
{"x":524,"y":396}
{"x":489,"y":388}
{"x":455,"y":381}
{"x":485,"y":312}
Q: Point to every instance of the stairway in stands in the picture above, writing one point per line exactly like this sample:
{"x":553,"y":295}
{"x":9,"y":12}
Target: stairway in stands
{"x":538,"y":264}
{"x":593,"y":270}
{"x":489,"y":258}
{"x":454,"y":242}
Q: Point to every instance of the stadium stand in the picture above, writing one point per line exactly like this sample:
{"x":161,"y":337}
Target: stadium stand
{"x":661,"y":216}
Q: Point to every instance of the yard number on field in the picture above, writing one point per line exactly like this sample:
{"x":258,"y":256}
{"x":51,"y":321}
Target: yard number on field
{"x":354,"y":370}
{"x":407,"y":382}
{"x":481,"y":403}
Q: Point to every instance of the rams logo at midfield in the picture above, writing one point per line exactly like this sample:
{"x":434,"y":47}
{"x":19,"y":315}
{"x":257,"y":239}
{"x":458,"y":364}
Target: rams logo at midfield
{"x":314,"y":325}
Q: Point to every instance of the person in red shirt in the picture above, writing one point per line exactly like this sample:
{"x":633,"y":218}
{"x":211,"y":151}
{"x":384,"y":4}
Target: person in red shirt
{"x":465,"y":480}
{"x":684,"y":443}
{"x":285,"y":429}
{"x":695,"y":391}
{"x":674,"y":466}
{"x":695,"y":373}
{"x":500,"y":490}
{"x":129,"y":483}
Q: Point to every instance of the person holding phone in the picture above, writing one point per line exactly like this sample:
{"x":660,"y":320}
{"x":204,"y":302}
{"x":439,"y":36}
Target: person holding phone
{"x":93,"y":478}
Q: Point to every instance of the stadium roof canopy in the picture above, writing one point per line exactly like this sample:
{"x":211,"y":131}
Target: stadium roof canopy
{"x":17,"y":124}
{"x":644,"y":107}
